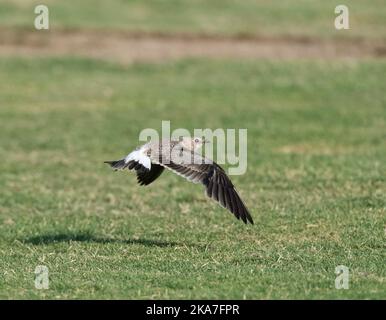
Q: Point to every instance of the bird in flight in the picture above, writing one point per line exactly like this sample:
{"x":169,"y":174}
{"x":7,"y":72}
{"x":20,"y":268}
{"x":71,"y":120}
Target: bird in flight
{"x":181,"y":157}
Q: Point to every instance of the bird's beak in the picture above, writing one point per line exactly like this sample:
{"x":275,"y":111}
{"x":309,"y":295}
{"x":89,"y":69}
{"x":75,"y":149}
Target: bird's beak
{"x":204,"y":141}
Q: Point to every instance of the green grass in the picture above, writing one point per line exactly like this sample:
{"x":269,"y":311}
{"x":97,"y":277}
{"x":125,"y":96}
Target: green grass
{"x":315,"y":183}
{"x":301,"y":17}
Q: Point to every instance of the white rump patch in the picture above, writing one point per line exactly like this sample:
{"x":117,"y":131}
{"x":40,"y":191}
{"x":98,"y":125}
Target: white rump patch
{"x":139,"y":156}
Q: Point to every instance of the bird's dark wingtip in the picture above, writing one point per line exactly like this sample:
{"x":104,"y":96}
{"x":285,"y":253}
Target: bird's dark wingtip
{"x":117,"y":164}
{"x":248,"y":218}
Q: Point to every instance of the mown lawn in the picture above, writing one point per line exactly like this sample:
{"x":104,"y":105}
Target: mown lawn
{"x":315,"y":182}
{"x":229,"y":17}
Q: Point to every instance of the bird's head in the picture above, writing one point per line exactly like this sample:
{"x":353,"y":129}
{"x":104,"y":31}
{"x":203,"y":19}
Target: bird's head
{"x":193,"y":143}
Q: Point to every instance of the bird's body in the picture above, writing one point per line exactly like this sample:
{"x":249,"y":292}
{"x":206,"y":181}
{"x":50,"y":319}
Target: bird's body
{"x":179,"y":156}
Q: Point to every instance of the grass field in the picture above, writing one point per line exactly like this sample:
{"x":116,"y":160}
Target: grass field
{"x":315,"y":182}
{"x":251,"y":17}
{"x":316,"y":175}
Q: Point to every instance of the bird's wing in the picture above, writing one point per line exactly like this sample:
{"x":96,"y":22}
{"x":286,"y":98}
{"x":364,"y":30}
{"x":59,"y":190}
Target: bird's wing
{"x":145,"y":177}
{"x":218,"y":185}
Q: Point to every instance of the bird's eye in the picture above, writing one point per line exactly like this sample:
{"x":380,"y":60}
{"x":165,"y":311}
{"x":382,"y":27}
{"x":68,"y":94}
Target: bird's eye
{"x":196,"y":140}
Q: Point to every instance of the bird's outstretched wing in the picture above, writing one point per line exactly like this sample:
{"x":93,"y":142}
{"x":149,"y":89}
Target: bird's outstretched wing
{"x":218,"y":185}
{"x":144,"y":175}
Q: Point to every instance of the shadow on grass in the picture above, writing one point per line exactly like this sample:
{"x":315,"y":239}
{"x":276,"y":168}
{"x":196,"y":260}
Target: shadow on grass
{"x":90,"y":238}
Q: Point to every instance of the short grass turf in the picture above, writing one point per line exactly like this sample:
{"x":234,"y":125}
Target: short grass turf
{"x":315,"y":182}
{"x":229,"y":17}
